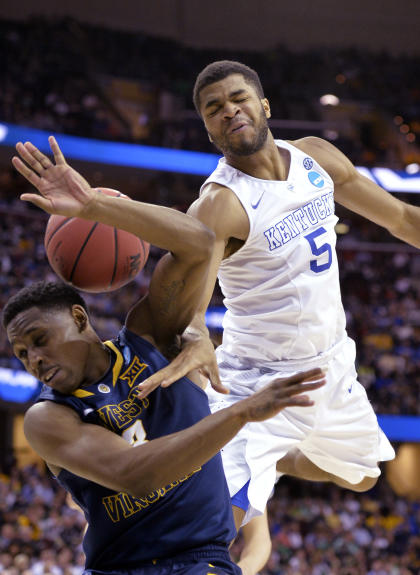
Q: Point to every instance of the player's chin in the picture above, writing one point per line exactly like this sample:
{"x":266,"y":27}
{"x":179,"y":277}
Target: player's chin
{"x":65,"y":383}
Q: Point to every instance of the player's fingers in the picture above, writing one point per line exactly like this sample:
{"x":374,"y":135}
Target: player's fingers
{"x":26,"y":172}
{"x":213,"y":376}
{"x":164,"y":377}
{"x":148,"y":385}
{"x":26,"y":155}
{"x":310,"y":375}
{"x":55,"y":148}
{"x":38,"y":155}
{"x":36,"y":159}
{"x":299,"y":401}
{"x":37,"y":200}
{"x":302,"y":387}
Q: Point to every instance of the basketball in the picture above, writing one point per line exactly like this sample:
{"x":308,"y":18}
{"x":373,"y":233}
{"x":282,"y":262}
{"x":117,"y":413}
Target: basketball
{"x":92,"y":256}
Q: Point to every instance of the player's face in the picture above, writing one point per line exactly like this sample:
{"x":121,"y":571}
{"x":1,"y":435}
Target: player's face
{"x":234,"y":115}
{"x":52,"y":347}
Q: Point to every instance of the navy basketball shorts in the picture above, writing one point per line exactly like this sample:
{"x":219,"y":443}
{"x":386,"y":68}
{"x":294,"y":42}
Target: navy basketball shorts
{"x":203,"y":562}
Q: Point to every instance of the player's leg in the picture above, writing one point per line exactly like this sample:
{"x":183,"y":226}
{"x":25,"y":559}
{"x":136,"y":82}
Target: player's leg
{"x":296,"y":464}
{"x":346,"y":443}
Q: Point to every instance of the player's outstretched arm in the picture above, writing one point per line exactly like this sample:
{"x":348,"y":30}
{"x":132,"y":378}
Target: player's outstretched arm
{"x":63,"y":191}
{"x":180,"y":276}
{"x":58,"y":436}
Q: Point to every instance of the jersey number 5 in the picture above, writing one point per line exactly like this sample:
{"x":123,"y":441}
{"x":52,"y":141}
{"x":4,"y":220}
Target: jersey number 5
{"x":318,"y":250}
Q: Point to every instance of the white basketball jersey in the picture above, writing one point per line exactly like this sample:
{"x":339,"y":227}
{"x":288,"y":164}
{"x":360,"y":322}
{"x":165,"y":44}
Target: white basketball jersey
{"x":281,"y":287}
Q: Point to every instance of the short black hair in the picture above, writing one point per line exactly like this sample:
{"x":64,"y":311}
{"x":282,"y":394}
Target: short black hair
{"x":44,"y":295}
{"x":220,"y":70}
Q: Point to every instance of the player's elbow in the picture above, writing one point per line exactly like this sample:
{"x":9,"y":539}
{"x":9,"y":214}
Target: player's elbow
{"x":143,"y":480}
{"x":205,"y":245}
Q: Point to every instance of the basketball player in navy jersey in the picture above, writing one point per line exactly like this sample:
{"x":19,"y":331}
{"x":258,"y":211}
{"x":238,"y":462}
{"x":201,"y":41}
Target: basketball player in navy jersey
{"x":146,"y":472}
{"x":270,"y":204}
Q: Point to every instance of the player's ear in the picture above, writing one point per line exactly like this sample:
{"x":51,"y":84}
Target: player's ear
{"x":210,"y":138}
{"x":266,"y":106}
{"x":80,"y":316}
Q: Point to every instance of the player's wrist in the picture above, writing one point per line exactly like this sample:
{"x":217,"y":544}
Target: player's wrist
{"x":91,"y":208}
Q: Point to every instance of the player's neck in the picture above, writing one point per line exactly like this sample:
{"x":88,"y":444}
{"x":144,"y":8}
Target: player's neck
{"x":98,"y":363}
{"x":269,"y":163}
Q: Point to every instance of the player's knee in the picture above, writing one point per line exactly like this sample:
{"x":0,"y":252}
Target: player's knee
{"x":366,"y":484}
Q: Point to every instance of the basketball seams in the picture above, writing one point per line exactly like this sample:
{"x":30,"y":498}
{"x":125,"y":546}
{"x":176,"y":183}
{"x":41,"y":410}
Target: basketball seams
{"x":94,"y":257}
{"x":57,"y":228}
{"x":114,"y":271}
{"x":77,"y":258}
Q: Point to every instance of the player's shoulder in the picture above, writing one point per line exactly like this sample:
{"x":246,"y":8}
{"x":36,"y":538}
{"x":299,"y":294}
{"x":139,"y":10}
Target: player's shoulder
{"x":216,"y":204}
{"x":326,"y":155}
{"x":45,"y":418}
{"x":313,"y":145}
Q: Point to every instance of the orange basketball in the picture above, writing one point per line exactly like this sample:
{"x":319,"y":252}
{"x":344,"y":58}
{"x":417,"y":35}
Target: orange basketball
{"x":92,"y":256}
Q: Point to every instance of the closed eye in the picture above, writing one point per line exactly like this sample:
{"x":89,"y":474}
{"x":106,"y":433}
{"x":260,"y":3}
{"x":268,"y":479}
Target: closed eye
{"x":22,"y":354}
{"x":214,"y":111}
{"x":40,"y":341}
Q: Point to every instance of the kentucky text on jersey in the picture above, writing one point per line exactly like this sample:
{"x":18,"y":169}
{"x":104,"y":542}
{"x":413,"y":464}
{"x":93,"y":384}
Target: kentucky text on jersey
{"x":300,"y":220}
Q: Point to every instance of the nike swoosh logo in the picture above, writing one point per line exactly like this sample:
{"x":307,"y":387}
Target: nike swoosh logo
{"x":255,"y":206}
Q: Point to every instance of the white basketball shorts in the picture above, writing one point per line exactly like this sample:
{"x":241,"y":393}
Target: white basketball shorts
{"x":340,"y":433}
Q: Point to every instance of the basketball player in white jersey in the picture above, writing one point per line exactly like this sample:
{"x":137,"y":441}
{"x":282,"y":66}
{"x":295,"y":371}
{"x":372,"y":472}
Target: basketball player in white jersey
{"x":271,"y":206}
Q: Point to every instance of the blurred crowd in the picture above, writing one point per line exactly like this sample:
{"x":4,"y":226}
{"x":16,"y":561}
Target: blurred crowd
{"x":323,"y":530}
{"x":70,"y":77}
{"x":315,"y":529}
{"x":80,"y":79}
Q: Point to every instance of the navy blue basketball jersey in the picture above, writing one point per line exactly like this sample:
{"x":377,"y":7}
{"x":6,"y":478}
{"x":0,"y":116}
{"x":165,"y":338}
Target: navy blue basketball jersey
{"x":187,"y":514}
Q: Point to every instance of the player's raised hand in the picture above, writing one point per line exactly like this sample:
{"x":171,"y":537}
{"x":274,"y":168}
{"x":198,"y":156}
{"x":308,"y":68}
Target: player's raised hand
{"x":62,"y":190}
{"x":197,"y":353}
{"x":281,"y":393}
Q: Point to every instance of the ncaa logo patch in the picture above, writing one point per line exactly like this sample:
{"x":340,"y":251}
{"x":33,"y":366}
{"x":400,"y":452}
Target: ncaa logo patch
{"x":316,"y":179}
{"x":307,"y":163}
{"x":103,"y":388}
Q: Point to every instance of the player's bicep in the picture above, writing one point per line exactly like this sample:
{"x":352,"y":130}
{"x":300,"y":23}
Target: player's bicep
{"x":175,"y":292}
{"x":58,"y":435}
{"x":221,"y":211}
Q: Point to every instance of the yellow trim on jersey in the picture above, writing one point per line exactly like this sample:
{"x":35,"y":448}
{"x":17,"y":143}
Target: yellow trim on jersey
{"x":82,"y":393}
{"x":118,"y":362}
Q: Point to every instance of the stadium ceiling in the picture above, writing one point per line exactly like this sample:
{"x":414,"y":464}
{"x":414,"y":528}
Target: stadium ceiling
{"x":374,"y":25}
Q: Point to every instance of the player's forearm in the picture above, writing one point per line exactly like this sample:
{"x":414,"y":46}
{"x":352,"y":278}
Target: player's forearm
{"x":164,"y":227}
{"x":409,"y":228}
{"x":157,"y":463}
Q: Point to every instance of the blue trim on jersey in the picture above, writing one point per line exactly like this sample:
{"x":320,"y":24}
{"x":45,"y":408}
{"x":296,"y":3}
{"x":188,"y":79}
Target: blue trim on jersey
{"x":240,"y":499}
